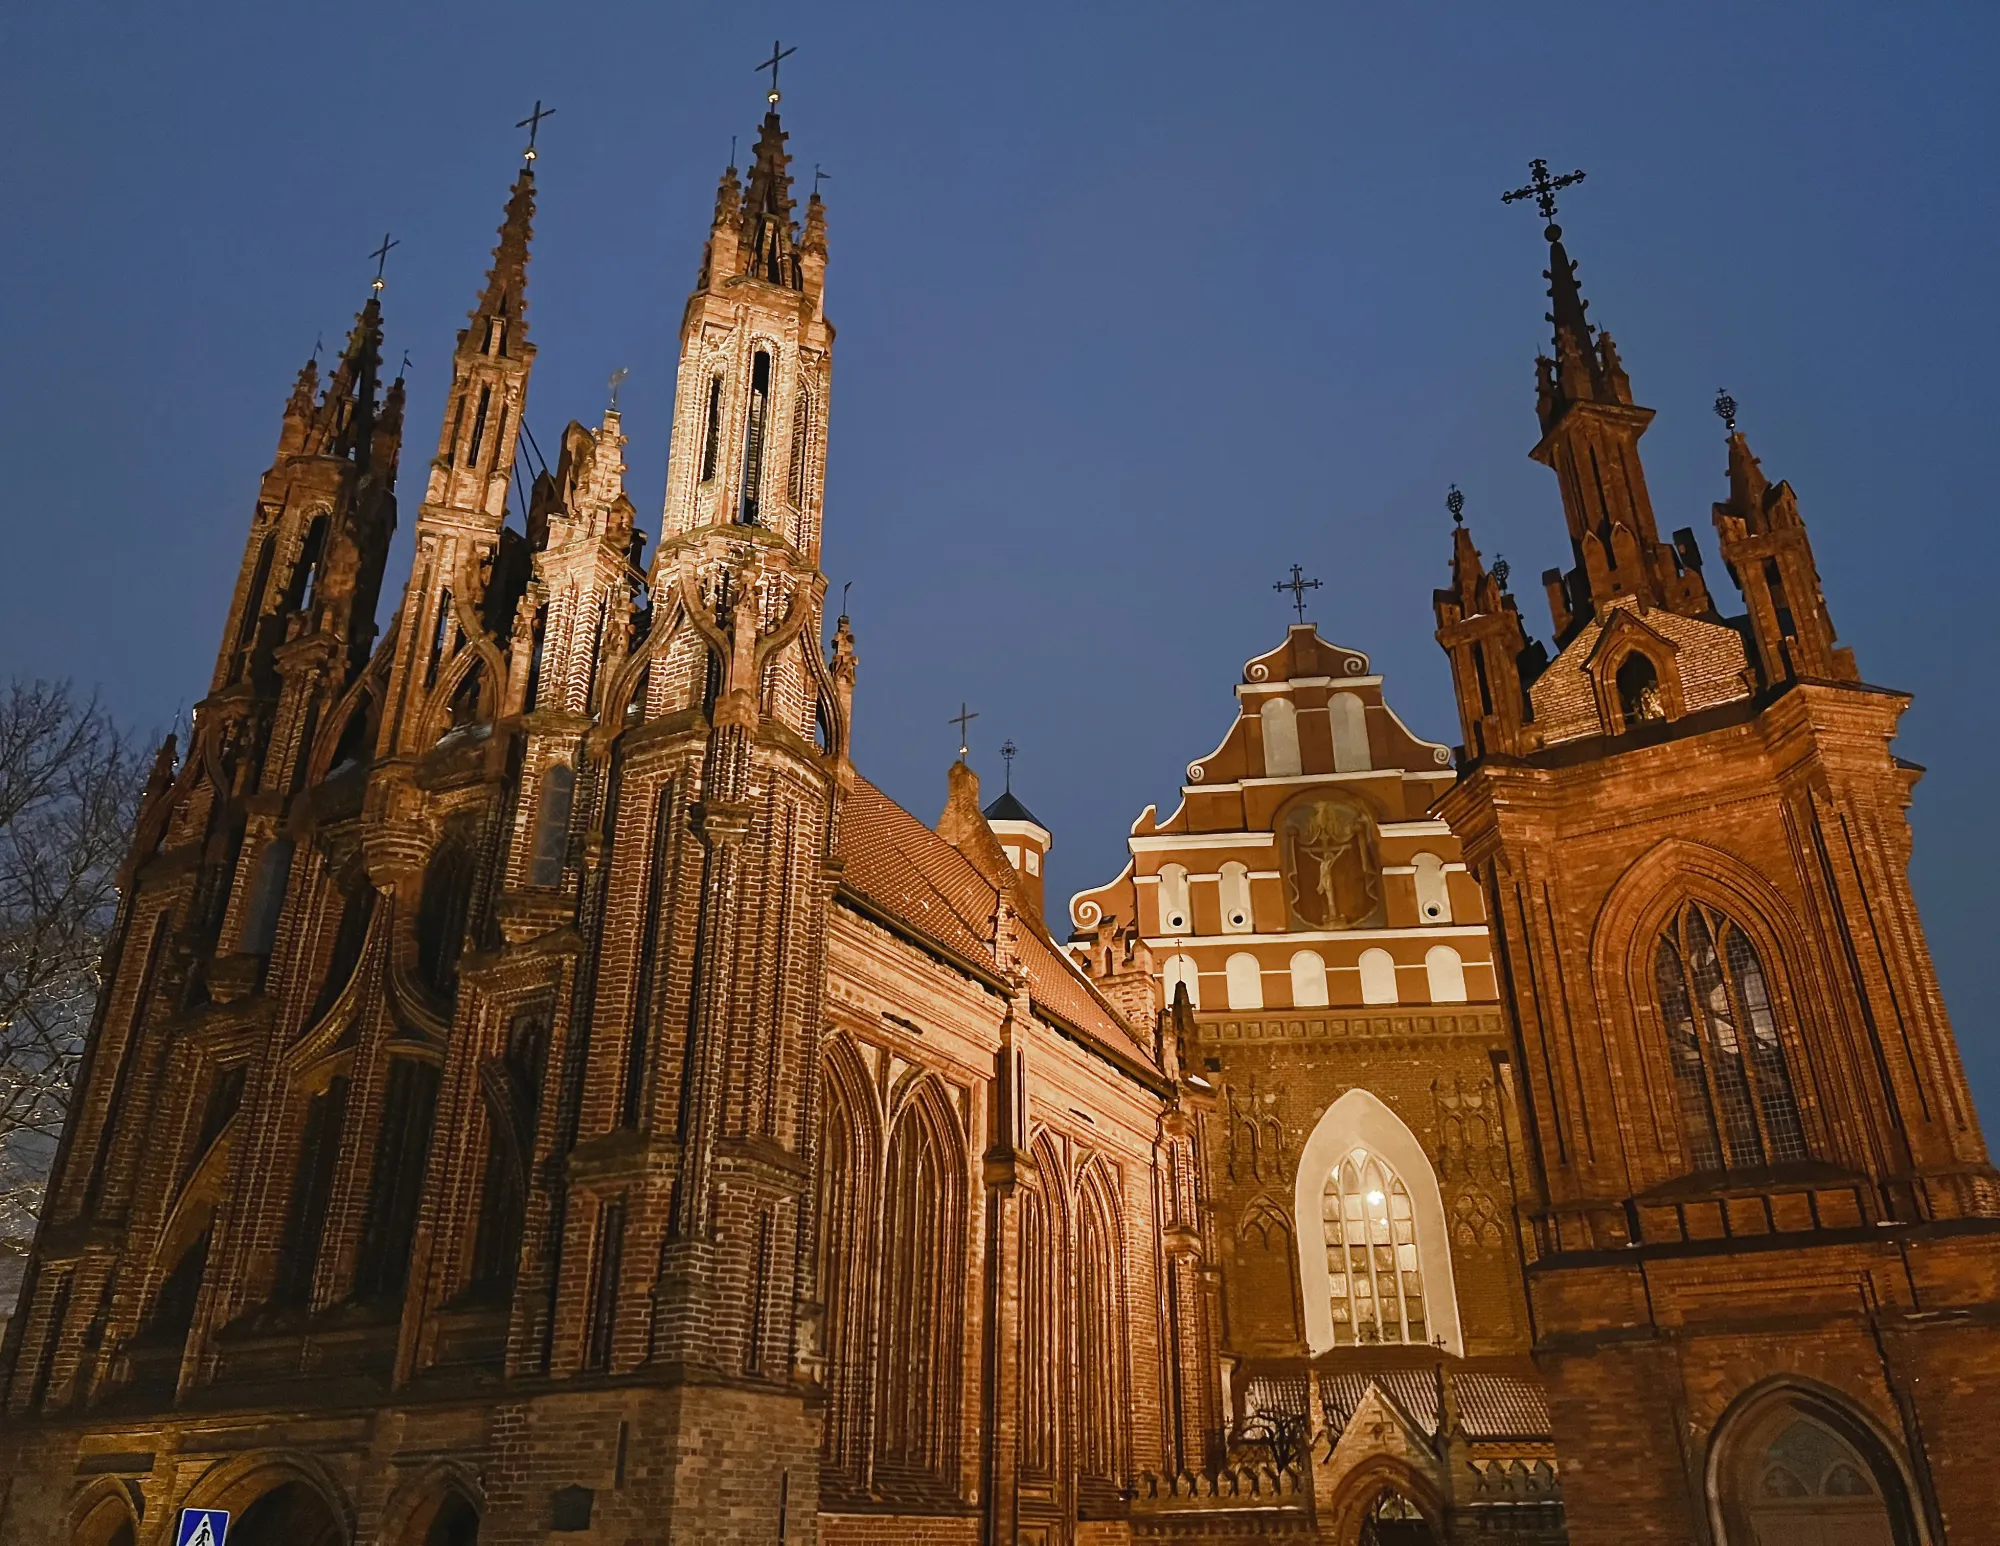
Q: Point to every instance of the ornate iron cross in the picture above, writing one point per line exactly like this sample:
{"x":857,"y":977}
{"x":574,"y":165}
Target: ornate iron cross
{"x":1298,"y":585}
{"x":1542,"y":188}
{"x":962,"y":718}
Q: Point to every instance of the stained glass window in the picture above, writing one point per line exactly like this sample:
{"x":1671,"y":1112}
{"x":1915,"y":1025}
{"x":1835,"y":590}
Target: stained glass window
{"x":1373,"y":1273}
{"x":1731,"y":1082}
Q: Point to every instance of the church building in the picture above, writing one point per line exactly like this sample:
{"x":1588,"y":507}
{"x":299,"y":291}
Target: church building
{"x":542,"y":1091}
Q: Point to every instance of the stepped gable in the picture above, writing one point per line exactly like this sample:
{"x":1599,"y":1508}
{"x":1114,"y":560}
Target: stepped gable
{"x":904,"y":869}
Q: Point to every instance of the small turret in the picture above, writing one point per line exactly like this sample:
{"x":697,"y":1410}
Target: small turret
{"x":1764,"y":542}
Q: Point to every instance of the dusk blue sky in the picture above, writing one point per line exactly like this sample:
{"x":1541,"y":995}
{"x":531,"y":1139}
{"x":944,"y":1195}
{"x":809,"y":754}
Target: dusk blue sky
{"x":1138,"y":305}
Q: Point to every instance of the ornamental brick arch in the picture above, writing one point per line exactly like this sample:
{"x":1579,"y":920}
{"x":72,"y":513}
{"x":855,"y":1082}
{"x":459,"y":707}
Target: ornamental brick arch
{"x":1796,"y":1460}
{"x":440,"y":1506}
{"x":105,"y":1512}
{"x":1352,"y":1517}
{"x":274,"y":1498}
{"x":1636,"y":913}
{"x":1360,"y":1119}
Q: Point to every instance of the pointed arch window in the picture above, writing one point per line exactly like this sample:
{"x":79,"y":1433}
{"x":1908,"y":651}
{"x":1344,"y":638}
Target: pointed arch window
{"x":1731,"y":1083}
{"x":711,"y":438}
{"x":1373,"y":1273}
{"x":754,"y":434}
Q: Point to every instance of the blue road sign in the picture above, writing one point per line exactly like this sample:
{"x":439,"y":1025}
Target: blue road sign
{"x":202,"y":1527}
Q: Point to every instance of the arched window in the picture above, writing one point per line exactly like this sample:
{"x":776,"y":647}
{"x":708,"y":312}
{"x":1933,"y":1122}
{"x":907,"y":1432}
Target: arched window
{"x":1173,"y":899}
{"x":1349,"y":720}
{"x":1433,"y":896}
{"x":1308,"y":980}
{"x":253,"y":598}
{"x":552,"y":825}
{"x":1235,"y":887}
{"x":755,"y":431}
{"x":299,"y":589}
{"x":922,"y":1298}
{"x":1731,"y":1084}
{"x":1799,"y":1469}
{"x":1446,"y":973}
{"x":711,"y":435}
{"x":1246,"y":981}
{"x":1180,"y":972}
{"x":1394,"y":1520}
{"x":1103,"y":1409}
{"x":1281,"y":737}
{"x":267,"y":898}
{"x":1639,"y":696}
{"x":1375,"y":1279}
{"x":442,"y":913}
{"x":1378,"y":976}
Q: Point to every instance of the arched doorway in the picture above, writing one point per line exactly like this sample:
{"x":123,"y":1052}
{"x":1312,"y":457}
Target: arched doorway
{"x":456,"y":1522}
{"x":292,"y":1513}
{"x":1800,"y":1471}
{"x":1393,"y":1519}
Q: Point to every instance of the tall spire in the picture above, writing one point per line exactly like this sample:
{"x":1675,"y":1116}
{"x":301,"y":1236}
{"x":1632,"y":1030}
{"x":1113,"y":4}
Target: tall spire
{"x":1590,"y":440}
{"x":505,"y":297}
{"x":768,"y":238}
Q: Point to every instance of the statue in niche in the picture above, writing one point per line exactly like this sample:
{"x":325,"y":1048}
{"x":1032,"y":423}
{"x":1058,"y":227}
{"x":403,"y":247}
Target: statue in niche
{"x":1332,"y":864}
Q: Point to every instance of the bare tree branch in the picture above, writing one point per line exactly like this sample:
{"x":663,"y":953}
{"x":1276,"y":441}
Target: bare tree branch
{"x":68,"y":781}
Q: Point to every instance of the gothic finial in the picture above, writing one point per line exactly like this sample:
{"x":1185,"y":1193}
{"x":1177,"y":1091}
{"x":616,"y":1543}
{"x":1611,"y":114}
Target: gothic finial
{"x":617,"y":380}
{"x":1725,"y":409}
{"x":844,"y":589}
{"x":403,"y":369}
{"x":1455,"y":503}
{"x":1500,"y":570}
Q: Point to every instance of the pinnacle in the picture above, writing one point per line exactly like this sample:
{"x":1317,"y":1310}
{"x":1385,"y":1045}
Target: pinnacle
{"x":505,"y":294}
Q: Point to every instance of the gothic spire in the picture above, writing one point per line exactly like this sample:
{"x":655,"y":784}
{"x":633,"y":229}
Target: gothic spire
{"x":768,"y":238}
{"x":503,"y":304}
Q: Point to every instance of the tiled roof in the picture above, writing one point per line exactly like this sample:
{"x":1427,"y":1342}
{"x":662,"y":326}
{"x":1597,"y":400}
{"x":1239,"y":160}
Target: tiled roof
{"x":1490,"y":1406}
{"x":1502,"y":1406}
{"x":904,"y":869}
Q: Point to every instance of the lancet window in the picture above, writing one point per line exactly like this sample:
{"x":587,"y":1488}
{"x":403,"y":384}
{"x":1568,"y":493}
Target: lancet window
{"x":1737,"y":1106}
{"x":1373,"y":1273}
{"x":754,"y":434}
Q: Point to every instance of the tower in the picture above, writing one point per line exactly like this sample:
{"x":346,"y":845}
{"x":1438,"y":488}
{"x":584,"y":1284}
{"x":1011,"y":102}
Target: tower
{"x":1763,"y":1217}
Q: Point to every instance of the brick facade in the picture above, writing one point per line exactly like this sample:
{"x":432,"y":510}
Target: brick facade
{"x":541,"y":1089}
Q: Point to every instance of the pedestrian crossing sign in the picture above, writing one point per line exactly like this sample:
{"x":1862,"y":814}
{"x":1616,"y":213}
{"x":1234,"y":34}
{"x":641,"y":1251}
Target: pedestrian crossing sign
{"x":202,"y":1527}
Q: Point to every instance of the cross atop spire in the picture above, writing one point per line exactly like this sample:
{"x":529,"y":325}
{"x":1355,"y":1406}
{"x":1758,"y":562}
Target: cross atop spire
{"x":1298,"y":585}
{"x":963,"y":718}
{"x":778,"y":56}
{"x":533,"y":124}
{"x":381,"y":257}
{"x":1542,"y":189}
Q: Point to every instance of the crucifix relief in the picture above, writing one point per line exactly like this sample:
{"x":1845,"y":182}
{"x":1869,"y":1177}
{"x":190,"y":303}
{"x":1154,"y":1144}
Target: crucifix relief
{"x":1332,"y":867}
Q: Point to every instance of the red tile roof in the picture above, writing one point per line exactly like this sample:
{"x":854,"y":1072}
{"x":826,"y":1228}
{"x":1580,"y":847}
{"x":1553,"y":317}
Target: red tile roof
{"x":901,"y":868}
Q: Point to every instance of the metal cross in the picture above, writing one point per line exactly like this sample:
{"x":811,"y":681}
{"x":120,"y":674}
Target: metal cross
{"x":1007,"y":750}
{"x":1455,"y":503}
{"x":381,"y":257}
{"x":820,"y":175}
{"x":771,"y":64}
{"x":617,"y":380}
{"x":1725,"y":409}
{"x":1298,"y":585}
{"x":533,"y":124}
{"x":1542,"y":188}
{"x":962,"y":718}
